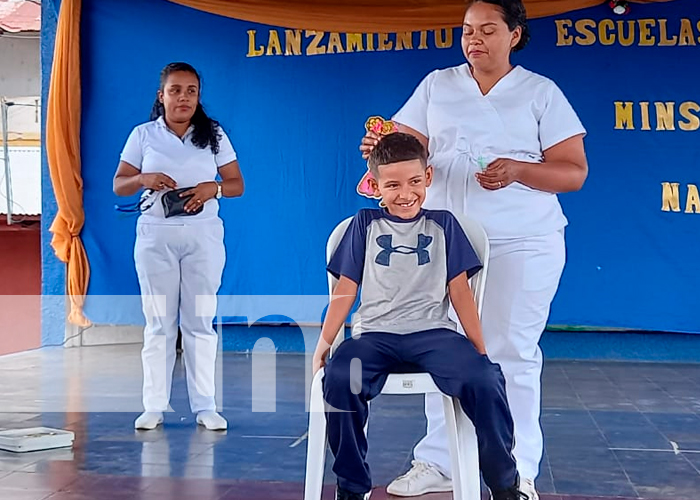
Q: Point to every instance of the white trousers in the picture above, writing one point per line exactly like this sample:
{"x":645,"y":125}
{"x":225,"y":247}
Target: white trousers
{"x":179,"y":269}
{"x":522,"y":280}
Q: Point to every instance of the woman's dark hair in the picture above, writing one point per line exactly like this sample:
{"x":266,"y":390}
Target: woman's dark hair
{"x":513,"y":14}
{"x":206,"y":130}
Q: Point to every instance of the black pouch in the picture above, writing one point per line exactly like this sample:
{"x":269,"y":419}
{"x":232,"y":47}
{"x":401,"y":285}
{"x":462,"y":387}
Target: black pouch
{"x":174,"y":205}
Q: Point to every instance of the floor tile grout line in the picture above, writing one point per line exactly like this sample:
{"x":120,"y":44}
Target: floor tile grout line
{"x":692,"y":381}
{"x":605,"y":438}
{"x":679,"y":403}
{"x":667,"y":438}
{"x":549,"y":462}
{"x":656,"y":450}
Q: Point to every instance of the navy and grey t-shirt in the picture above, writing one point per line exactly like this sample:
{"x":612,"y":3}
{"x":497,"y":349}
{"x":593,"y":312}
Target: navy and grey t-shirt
{"x":403,"y":267}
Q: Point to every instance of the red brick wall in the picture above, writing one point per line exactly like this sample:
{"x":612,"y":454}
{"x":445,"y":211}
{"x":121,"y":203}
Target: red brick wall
{"x":20,"y":287}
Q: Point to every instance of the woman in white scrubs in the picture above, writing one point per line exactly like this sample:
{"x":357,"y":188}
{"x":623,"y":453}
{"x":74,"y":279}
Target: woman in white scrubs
{"x":179,"y":259}
{"x":503,"y":142}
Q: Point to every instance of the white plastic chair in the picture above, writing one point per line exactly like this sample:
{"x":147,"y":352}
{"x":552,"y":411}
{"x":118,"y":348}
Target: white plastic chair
{"x":464,"y":452}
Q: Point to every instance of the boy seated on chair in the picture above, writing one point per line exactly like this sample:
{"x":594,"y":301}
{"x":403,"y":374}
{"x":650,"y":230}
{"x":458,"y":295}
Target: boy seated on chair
{"x":410,"y":263}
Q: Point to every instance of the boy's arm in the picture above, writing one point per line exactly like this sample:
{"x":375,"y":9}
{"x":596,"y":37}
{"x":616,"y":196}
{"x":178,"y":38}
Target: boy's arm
{"x":464,"y":305}
{"x":342,"y":300}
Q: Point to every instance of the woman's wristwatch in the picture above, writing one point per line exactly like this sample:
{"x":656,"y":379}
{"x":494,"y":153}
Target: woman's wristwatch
{"x":219,"y":191}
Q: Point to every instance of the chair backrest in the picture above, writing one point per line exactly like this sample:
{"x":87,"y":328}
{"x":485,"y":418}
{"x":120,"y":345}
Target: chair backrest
{"x":476,"y":235}
{"x":480,"y":242}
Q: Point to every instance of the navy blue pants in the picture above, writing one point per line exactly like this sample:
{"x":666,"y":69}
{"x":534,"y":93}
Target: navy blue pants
{"x":457,"y":369}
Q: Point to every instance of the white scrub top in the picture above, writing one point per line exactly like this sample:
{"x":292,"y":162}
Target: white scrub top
{"x":152,"y":148}
{"x":521,"y":116}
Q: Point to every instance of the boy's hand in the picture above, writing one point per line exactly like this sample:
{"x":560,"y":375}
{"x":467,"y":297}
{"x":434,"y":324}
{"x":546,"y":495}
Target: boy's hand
{"x":319,"y":361}
{"x":481,"y":349}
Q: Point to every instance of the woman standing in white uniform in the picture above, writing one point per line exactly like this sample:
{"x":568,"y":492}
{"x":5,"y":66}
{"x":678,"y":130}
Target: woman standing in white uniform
{"x":179,"y":259}
{"x":503,"y":141}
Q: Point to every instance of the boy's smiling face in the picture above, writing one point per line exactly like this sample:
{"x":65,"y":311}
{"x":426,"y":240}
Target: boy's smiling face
{"x":402,"y":186}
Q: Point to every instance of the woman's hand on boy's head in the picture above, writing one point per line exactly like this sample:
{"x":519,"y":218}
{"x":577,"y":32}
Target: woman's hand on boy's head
{"x":370,"y":140}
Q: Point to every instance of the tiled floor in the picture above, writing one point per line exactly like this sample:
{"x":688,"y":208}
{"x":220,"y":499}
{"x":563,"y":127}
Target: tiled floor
{"x":620,"y":430}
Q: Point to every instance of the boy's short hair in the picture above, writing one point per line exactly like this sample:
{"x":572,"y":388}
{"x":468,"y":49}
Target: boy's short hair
{"x":395,"y":148}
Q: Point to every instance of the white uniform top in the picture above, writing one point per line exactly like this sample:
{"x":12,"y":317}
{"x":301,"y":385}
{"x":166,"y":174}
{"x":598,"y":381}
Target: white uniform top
{"x":152,"y":147}
{"x":523,"y":115}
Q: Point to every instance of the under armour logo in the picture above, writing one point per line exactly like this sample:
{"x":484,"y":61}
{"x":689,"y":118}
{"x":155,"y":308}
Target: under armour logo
{"x":384,"y":242}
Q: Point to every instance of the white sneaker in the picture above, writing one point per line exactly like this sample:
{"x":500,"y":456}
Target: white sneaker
{"x":212,"y":421}
{"x":148,"y":420}
{"x":527,"y":486}
{"x":421,"y":479}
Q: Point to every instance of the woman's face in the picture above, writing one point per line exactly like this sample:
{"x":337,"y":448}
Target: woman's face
{"x":486,"y":39}
{"x":180,"y":96}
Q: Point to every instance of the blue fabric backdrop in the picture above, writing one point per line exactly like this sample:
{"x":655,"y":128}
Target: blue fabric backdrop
{"x":296,"y":122}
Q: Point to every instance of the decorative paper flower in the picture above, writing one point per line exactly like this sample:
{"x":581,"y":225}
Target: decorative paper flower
{"x":364,"y":188}
{"x":380,"y":126}
{"x":619,"y":7}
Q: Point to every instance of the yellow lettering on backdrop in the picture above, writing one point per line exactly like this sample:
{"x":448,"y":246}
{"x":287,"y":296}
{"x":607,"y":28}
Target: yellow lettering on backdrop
{"x":644,"y":106}
{"x":604,"y":28}
{"x":686,"y":36}
{"x":692,"y":201}
{"x":563,"y":37}
{"x":370,"y":42}
{"x":646,"y":39}
{"x":404,"y":40}
{"x":664,"y":41}
{"x":423,"y":40}
{"x":384,"y":43}
{"x":623,"y":115}
{"x":443,"y":38}
{"x":292,"y":42}
{"x":628,"y":40}
{"x":314,"y":47}
{"x":664,"y":115}
{"x":274,"y":47}
{"x":584,"y":32}
{"x":686,"y":111}
{"x":335,"y":46}
{"x":353,"y":42}
{"x":252,"y":51}
{"x":586,"y":35}
{"x":670,"y":197}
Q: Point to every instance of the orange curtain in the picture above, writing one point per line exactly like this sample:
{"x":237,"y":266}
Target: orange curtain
{"x":361,"y":16}
{"x":63,"y":152}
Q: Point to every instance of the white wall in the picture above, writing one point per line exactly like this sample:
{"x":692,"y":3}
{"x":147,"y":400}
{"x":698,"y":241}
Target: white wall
{"x":20,"y":75}
{"x":20,"y":70}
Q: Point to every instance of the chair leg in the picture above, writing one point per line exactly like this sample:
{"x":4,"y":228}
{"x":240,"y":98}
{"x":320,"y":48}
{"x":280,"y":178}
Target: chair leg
{"x":316,"y":442}
{"x":468,"y":455}
{"x":453,"y":442}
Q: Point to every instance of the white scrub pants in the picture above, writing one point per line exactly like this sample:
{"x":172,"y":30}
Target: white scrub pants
{"x":179,"y":269}
{"x":523,"y":277}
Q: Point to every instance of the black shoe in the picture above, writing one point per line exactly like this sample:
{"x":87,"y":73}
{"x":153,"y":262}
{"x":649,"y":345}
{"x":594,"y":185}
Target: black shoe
{"x":341,"y":494}
{"x":512,"y":493}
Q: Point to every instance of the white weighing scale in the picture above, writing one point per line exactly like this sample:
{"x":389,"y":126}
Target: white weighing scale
{"x":35,"y":439}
